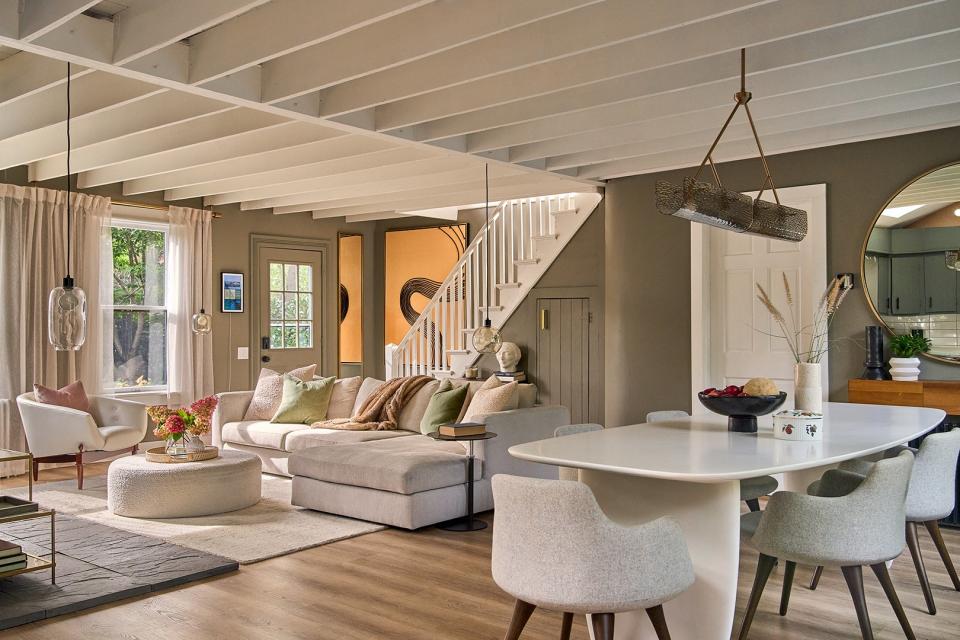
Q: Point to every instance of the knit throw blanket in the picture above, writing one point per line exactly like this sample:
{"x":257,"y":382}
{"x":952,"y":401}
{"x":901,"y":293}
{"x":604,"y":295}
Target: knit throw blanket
{"x":381,"y":410}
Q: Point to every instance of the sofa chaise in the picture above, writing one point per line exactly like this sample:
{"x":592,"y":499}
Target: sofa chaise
{"x":400,"y":478}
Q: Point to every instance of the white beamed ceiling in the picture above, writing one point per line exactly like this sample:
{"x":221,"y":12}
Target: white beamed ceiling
{"x":376,"y":108}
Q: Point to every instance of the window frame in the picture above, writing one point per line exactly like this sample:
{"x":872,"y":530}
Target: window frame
{"x":164,"y":227}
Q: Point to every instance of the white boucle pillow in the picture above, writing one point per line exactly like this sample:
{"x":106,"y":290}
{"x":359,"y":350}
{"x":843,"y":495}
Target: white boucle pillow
{"x":269,"y":392}
{"x":492,"y":397}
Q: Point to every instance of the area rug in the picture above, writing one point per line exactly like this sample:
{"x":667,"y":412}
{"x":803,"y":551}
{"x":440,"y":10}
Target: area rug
{"x":96,"y":564}
{"x":271,"y":528}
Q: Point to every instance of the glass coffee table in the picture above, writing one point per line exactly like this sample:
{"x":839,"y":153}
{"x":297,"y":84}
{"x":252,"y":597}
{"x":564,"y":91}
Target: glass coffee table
{"x":16,"y":510}
{"x":467,"y":523}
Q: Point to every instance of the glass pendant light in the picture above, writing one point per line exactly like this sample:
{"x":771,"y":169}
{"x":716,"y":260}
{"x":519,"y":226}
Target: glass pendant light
{"x":201,"y":323}
{"x":67,"y":306}
{"x":487,"y":339}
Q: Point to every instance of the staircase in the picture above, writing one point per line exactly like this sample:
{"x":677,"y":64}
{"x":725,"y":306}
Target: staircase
{"x":525,"y":237}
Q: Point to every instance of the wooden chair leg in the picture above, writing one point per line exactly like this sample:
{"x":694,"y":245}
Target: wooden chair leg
{"x":883,"y":575}
{"x":815,"y":581}
{"x":914,"y":545}
{"x":764,"y":567}
{"x":566,"y":626}
{"x":80,"y":471}
{"x":521,"y":613}
{"x":659,"y":622}
{"x":36,"y":470}
{"x":933,"y":527}
{"x":854,"y":577}
{"x":787,"y":586}
{"x":753,"y":504}
{"x":602,"y":626}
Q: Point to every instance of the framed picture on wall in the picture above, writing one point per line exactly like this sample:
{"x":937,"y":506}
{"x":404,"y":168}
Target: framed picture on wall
{"x":231,"y":292}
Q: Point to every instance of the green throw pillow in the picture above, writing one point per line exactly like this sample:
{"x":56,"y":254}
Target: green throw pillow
{"x":444,"y":407}
{"x":304,"y":402}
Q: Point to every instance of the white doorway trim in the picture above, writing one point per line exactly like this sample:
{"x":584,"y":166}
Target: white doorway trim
{"x":700,"y":282}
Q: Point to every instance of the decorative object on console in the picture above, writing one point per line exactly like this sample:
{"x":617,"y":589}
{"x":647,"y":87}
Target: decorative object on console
{"x":719,"y":207}
{"x":741,"y":409}
{"x":67,"y":306}
{"x":798,"y":425}
{"x":905,"y":365}
{"x":231,"y":292}
{"x":508,"y":357}
{"x":487,"y":339}
{"x":183,"y":429}
{"x":807,"y":352}
{"x":269,"y":392}
{"x":201,"y":323}
{"x":159,"y":454}
{"x":874,"y":363}
{"x":471,"y":373}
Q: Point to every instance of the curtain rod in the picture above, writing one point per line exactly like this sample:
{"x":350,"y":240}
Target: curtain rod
{"x":156,"y":207}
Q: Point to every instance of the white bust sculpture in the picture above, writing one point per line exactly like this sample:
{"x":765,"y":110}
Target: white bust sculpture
{"x":508,"y":356}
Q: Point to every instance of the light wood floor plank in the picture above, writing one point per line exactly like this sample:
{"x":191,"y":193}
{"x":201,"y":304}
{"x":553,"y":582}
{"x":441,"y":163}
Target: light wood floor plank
{"x":432,"y":584}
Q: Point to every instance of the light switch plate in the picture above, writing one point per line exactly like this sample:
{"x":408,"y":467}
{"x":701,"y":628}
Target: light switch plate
{"x":243,"y":353}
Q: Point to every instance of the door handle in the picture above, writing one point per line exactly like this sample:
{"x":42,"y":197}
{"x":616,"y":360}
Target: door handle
{"x":265,"y":343}
{"x":931,"y":303}
{"x":898,"y":302}
{"x":543,"y":319}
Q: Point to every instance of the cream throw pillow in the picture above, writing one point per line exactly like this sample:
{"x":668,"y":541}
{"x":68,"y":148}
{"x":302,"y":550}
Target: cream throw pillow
{"x":492,"y":397}
{"x":269,"y":392}
{"x":344,"y":395}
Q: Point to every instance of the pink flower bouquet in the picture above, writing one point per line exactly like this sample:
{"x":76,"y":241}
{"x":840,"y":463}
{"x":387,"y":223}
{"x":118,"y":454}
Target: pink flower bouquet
{"x":172,"y":424}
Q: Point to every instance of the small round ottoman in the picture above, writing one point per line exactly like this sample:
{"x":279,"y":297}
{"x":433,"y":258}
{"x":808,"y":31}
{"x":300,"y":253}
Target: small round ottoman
{"x":140,"y":489}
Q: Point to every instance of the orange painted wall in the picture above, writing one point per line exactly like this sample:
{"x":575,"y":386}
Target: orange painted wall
{"x":351,"y":277}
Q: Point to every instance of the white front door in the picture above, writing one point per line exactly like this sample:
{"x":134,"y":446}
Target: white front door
{"x":734,"y":336}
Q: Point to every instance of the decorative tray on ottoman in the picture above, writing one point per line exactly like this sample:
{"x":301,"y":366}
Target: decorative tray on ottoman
{"x":159,"y":454}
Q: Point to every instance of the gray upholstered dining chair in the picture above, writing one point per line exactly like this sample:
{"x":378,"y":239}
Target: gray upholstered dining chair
{"x":751,"y":489}
{"x":930,"y":498}
{"x":553,"y":547}
{"x":838,"y":527}
{"x":566,"y":473}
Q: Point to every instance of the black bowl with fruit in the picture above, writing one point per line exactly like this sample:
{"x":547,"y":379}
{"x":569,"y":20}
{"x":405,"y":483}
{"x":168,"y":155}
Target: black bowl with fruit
{"x":741,"y":406}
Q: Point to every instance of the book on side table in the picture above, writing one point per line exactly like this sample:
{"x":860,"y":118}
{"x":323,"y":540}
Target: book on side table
{"x":11,"y":556}
{"x":460,"y":429}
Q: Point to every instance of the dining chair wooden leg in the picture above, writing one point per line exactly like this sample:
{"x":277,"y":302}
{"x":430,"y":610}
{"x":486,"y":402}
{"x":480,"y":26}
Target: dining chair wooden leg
{"x":566,"y":626}
{"x":659,"y":622}
{"x":914,"y":545}
{"x":753,"y":504}
{"x":764,"y":567}
{"x":602,"y":626}
{"x":521,"y":613}
{"x":787,"y":586}
{"x":854,"y":577}
{"x":815,"y":581}
{"x":933,"y":527}
{"x":883,"y":575}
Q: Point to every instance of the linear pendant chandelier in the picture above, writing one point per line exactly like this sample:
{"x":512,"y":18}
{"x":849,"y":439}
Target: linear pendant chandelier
{"x":719,"y":207}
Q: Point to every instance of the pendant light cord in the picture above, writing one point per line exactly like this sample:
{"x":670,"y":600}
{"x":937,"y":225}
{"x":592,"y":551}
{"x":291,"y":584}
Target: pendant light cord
{"x":203,"y":247}
{"x":69,"y":200}
{"x":486,"y":239}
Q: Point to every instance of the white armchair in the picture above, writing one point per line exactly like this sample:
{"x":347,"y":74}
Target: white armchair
{"x":61,"y":434}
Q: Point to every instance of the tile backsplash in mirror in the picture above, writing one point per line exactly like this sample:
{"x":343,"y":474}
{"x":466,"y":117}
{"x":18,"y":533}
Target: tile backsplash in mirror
{"x":943,"y":329}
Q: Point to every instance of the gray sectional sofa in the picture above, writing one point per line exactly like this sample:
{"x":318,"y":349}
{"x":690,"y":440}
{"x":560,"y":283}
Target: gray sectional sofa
{"x":400,"y":478}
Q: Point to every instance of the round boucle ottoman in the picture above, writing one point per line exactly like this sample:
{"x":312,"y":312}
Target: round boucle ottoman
{"x":140,"y":489}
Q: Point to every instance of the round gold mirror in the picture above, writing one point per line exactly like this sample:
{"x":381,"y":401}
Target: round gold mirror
{"x":910,"y":262}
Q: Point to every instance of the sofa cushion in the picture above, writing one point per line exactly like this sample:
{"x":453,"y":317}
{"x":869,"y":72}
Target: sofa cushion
{"x":367,"y":388}
{"x":306,"y":438}
{"x":412,"y":413}
{"x":444,"y":407}
{"x":269,"y":391}
{"x":304,"y":401}
{"x":258,"y":433}
{"x":401,"y":465}
{"x":492,"y":397}
{"x":344,"y":397}
{"x":71,"y":396}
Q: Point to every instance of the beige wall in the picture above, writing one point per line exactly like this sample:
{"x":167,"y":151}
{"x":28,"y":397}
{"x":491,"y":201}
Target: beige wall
{"x":648,"y":263}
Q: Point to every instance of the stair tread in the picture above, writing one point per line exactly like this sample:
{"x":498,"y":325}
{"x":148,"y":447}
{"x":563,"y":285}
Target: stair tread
{"x":527,"y":261}
{"x":458,"y":352}
{"x":547,"y":236}
{"x":563,"y":212}
{"x":509,"y":285}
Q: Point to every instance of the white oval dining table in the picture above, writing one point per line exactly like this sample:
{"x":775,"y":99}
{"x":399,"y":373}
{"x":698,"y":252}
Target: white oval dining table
{"x":690,"y":469}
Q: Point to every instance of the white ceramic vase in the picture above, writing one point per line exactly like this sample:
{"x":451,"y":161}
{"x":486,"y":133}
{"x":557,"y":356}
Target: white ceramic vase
{"x":905,"y":369}
{"x":807,"y":389}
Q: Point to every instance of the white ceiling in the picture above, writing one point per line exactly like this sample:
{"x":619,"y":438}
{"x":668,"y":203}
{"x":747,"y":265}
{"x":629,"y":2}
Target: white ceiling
{"x":383,"y":106}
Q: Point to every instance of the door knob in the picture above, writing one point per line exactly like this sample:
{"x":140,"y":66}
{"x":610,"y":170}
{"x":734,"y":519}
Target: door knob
{"x":264,"y":358}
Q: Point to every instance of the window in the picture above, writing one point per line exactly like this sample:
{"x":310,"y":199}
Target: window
{"x":136,"y":357}
{"x":291,"y":306}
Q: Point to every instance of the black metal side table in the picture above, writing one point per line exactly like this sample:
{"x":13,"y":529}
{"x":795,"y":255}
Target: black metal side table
{"x":468,"y":523}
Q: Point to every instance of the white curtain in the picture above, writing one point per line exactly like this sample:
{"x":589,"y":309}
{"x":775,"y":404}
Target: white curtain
{"x":33,"y":241}
{"x":189,"y":271}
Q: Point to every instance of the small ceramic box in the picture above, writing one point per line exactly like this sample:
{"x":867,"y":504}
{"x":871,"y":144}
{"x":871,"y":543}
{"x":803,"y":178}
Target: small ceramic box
{"x":798,"y":425}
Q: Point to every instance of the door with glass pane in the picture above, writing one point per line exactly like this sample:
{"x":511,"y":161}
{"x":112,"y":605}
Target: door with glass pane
{"x":289,"y":296}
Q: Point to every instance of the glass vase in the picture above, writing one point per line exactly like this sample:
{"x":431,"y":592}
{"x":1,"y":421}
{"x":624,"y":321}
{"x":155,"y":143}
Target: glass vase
{"x":195,"y":444}
{"x":177,"y":448}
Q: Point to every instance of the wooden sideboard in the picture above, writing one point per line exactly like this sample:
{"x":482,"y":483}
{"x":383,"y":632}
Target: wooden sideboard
{"x":936,"y":394}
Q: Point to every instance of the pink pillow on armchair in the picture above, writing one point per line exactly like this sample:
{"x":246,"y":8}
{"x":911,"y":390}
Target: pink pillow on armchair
{"x":71,"y":396}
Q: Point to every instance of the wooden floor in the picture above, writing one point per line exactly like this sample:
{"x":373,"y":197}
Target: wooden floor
{"x":436,"y":585}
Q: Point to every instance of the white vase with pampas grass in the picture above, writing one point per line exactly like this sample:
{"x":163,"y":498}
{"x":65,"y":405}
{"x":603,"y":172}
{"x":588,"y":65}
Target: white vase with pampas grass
{"x":808,"y":343}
